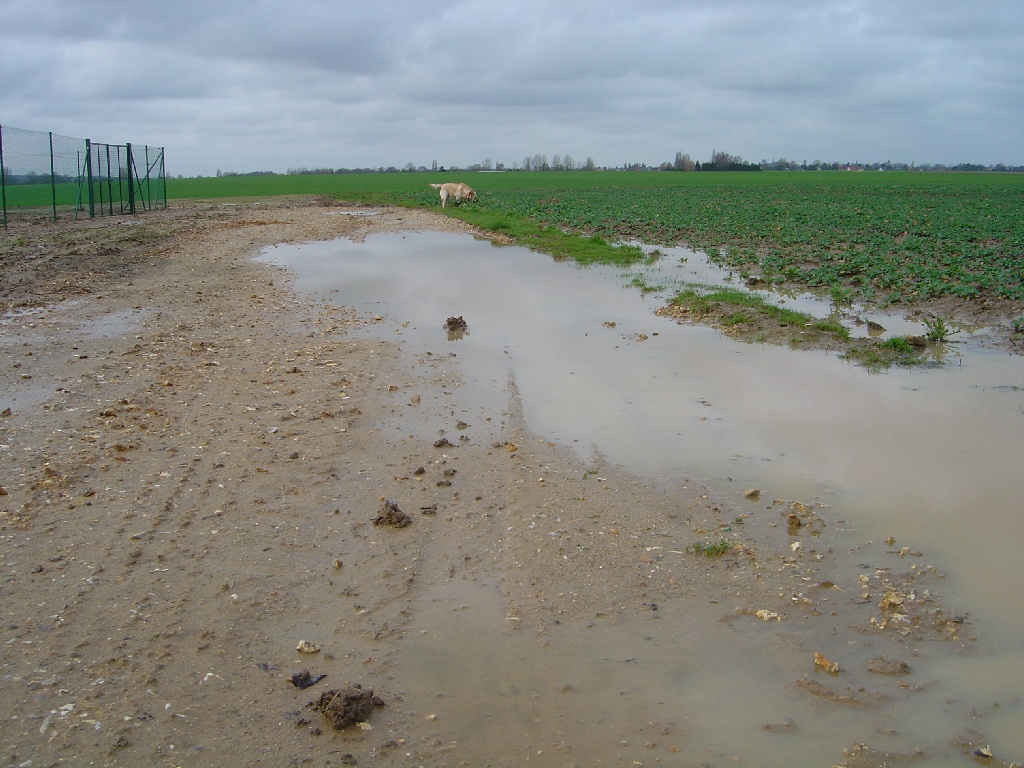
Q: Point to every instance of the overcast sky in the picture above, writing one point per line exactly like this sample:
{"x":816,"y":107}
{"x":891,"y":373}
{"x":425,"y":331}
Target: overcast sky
{"x":252,"y":85}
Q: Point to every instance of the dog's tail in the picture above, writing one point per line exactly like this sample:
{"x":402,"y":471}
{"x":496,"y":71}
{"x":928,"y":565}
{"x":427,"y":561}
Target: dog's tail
{"x":436,"y":186}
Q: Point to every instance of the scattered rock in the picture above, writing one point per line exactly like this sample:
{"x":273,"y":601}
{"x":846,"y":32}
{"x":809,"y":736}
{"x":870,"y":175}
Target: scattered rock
{"x":347,"y":706}
{"x":753,"y":494}
{"x":892,"y":601}
{"x":391,"y":515}
{"x":825,"y":665}
{"x":305,"y":646}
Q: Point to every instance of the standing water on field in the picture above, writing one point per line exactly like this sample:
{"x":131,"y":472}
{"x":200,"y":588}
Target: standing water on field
{"x":929,"y":456}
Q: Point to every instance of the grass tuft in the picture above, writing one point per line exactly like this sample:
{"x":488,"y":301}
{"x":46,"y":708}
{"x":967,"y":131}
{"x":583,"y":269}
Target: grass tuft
{"x":712,"y":550}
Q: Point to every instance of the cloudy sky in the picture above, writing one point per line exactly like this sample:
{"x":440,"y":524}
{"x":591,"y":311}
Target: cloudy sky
{"x":255,"y":85}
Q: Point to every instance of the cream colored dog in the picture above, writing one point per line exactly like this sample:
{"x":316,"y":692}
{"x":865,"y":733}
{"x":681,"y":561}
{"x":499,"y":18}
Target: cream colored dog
{"x":456,"y":192}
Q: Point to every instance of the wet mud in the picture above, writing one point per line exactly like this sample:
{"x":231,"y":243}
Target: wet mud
{"x":234,"y":482}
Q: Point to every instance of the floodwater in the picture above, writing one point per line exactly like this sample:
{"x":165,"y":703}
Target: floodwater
{"x":931,"y":457}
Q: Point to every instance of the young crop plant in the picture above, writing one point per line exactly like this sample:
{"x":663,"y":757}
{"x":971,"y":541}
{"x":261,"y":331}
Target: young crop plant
{"x":841,"y":297}
{"x":938,"y":332}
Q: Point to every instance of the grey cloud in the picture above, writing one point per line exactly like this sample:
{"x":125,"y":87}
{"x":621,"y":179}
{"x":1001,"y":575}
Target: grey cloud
{"x":268,"y":85}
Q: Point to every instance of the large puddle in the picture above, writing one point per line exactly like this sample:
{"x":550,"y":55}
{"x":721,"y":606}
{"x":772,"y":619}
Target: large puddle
{"x":928,"y":456}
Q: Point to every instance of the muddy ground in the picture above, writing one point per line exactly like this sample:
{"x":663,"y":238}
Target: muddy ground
{"x":194,"y":482}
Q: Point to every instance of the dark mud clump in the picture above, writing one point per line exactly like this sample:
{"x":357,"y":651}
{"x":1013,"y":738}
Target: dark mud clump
{"x":304,"y":679}
{"x":391,"y":515}
{"x":456,"y":328}
{"x":883,"y":666}
{"x":347,"y":706}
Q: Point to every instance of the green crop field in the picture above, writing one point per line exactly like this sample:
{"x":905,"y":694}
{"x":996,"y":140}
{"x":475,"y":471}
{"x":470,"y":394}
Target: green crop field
{"x":883,"y":237}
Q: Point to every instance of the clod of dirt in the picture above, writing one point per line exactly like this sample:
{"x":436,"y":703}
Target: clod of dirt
{"x":456,"y":328}
{"x":303,"y":680}
{"x":882,"y":666}
{"x":347,"y":706}
{"x":858,"y":697}
{"x":391,"y":515}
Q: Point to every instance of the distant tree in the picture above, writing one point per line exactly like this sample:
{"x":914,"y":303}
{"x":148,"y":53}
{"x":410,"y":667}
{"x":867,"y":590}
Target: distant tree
{"x":682,"y":162}
{"x":723,"y":161}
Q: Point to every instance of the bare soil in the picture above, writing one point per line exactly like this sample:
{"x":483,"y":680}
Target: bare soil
{"x":191,"y":469}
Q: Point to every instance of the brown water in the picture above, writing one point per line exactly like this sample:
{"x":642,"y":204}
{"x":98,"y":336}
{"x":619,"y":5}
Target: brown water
{"x":929,"y":456}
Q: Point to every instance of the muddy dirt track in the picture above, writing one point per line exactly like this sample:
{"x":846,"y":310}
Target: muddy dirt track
{"x":194,"y":482}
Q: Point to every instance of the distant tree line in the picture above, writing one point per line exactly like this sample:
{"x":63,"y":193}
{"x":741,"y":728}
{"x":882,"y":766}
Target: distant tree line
{"x":783,"y":164}
{"x":34,"y":177}
{"x":720,"y":161}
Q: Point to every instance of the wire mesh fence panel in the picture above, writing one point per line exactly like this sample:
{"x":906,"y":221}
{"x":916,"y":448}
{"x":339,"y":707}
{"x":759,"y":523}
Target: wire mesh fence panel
{"x":40,"y":172}
{"x":54,"y":176}
{"x":151,"y":185}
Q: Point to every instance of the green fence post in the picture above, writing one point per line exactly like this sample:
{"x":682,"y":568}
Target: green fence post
{"x":53,"y":180}
{"x":163,"y":176}
{"x":110,"y":185}
{"x":131,"y":179}
{"x":88,"y":172}
{"x":3,"y":177}
{"x":148,"y":196}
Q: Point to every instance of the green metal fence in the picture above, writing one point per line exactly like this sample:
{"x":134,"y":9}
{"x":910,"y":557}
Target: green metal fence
{"x":48,"y":175}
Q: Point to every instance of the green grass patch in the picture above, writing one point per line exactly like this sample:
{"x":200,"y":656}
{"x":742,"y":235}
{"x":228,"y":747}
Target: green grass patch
{"x":712,"y":550}
{"x":592,"y":249}
{"x":838,"y":330}
{"x":723,"y":300}
{"x":877,"y":355}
